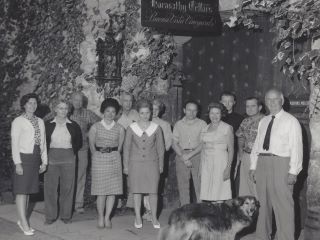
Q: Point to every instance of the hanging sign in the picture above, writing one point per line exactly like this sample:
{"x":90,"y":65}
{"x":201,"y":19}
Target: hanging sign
{"x":181,"y":15}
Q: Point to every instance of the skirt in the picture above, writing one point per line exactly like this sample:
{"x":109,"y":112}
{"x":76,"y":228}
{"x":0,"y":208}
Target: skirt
{"x":28,"y":182}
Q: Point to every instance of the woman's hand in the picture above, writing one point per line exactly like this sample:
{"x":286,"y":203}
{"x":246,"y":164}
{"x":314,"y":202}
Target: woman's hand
{"x":43,"y":168}
{"x":19,"y":169}
{"x":125,"y":171}
{"x":161,"y":170}
{"x":226,"y":174}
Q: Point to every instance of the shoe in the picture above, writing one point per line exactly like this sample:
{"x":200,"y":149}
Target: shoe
{"x":147,"y":216}
{"x":156,"y":225}
{"x":108,"y":224}
{"x":26,"y":233}
{"x":19,"y":224}
{"x":66,"y":221}
{"x":138,"y":226}
{"x":48,"y":222}
{"x":79,"y":210}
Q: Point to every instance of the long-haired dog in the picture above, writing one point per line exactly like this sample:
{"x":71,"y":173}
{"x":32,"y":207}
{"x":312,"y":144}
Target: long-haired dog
{"x":210,"y":221}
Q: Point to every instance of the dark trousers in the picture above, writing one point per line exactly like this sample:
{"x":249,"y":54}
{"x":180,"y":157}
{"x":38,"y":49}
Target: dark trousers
{"x":60,"y":176}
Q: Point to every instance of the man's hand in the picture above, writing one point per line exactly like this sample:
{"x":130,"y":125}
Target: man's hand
{"x":252,"y":176}
{"x":292,"y":179}
{"x":43,"y":168}
{"x":19,"y":169}
{"x":226,"y":174}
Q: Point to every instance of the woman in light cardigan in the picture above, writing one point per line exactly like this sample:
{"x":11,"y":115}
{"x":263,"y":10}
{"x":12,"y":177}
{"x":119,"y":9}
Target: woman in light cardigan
{"x":29,"y":154}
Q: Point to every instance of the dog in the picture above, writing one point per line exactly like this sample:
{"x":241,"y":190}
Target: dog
{"x":220,"y":220}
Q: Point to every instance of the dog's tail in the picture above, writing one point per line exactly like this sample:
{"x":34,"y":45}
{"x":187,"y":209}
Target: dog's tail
{"x":163,"y":233}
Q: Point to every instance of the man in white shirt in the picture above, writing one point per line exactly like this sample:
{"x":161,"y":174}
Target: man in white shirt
{"x":276,"y":160}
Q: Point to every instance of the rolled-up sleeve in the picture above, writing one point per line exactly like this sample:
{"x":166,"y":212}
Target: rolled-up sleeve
{"x":296,"y":148}
{"x":254,"y":152}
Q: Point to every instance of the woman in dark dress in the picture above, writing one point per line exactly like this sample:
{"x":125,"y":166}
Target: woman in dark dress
{"x":29,"y":154}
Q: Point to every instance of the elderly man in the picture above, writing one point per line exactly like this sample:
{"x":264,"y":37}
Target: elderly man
{"x":276,"y":160}
{"x":128,"y":115}
{"x":186,"y":139}
{"x":85,"y":118}
{"x":246,"y":134}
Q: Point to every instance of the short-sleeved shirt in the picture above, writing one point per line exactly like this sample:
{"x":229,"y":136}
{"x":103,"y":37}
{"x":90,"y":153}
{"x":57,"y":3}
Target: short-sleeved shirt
{"x":126,"y":119}
{"x":187,"y":133}
{"x":85,"y":118}
{"x":248,"y":131}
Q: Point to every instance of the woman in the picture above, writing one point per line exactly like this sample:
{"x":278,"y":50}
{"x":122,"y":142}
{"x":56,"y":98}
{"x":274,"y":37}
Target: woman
{"x":216,"y":157}
{"x":106,"y":138}
{"x":29,"y":152}
{"x":64,"y":139}
{"x":143,"y":155}
{"x":158,"y":109}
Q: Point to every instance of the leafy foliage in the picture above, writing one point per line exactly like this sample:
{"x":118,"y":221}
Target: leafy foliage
{"x":39,"y":46}
{"x":293,"y":22}
{"x":148,"y":56}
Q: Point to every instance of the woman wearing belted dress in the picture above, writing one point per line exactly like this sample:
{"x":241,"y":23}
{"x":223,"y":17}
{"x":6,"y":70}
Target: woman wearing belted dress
{"x":106,"y":138}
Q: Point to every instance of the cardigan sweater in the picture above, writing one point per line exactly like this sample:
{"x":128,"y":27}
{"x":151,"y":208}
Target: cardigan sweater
{"x":74,"y":130}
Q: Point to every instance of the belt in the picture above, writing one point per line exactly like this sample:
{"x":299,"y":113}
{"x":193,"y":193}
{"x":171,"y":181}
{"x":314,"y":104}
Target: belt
{"x":106,"y":149}
{"x":268,"y":155}
{"x":188,"y":149}
{"x":249,"y":152}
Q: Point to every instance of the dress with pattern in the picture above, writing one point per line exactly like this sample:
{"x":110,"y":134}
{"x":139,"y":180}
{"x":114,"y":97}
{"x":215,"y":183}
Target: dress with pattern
{"x":214,"y":158}
{"x":106,"y":167}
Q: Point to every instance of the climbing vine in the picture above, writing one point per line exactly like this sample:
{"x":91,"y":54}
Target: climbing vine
{"x":293,"y":22}
{"x":39,"y":52}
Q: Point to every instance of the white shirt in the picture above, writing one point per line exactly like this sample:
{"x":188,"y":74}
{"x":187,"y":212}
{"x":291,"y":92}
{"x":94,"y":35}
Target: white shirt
{"x":61,"y":137}
{"x":285,"y":140}
{"x":22,"y":139}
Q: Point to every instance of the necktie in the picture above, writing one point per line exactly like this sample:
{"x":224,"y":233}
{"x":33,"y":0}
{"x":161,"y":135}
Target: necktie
{"x":266,"y":142}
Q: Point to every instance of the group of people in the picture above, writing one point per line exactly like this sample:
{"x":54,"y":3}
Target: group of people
{"x":266,"y":149}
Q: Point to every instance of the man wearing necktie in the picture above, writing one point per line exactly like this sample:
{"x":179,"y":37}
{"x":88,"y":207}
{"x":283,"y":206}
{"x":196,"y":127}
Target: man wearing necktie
{"x":276,"y":160}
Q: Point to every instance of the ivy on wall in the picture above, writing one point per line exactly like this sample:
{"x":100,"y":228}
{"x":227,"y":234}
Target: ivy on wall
{"x":39,"y":52}
{"x":147,"y":65}
{"x":293,"y":21}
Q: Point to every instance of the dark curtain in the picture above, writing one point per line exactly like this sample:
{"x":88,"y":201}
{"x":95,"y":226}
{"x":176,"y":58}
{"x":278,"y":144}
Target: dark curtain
{"x":238,"y":60}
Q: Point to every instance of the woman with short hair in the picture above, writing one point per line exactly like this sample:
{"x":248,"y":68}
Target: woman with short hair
{"x":29,"y":154}
{"x":216,"y":156}
{"x":106,"y":139}
{"x":64,"y":139}
{"x":143,"y":154}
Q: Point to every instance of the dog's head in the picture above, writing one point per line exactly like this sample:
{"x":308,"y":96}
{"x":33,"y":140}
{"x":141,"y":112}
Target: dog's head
{"x":248,"y":205}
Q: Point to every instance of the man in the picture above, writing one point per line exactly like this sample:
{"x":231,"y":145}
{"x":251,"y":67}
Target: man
{"x":128,"y":116}
{"x":276,"y":160}
{"x":186,"y":138}
{"x":246,"y":134}
{"x":234,"y":119}
{"x":85,"y":118}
